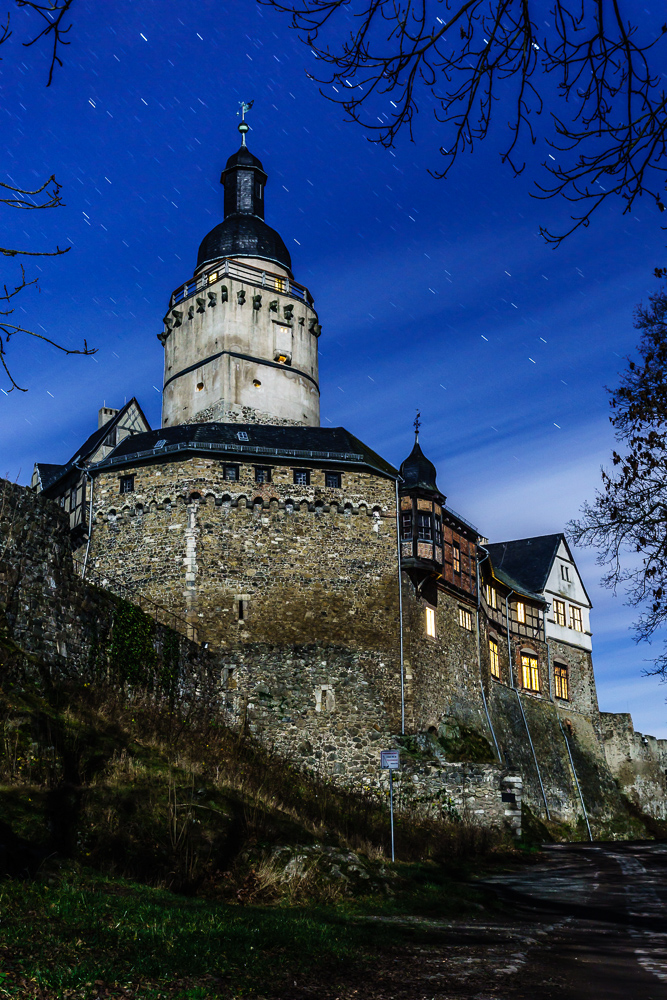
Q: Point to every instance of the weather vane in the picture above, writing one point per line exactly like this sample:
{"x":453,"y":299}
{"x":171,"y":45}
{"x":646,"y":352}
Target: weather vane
{"x":417,"y":425}
{"x":243,"y":125}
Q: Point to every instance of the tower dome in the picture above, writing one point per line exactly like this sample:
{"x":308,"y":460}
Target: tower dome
{"x":417,"y":472}
{"x":243,"y":232}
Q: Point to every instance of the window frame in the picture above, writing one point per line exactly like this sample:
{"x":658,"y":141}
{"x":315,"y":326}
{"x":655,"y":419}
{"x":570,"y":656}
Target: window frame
{"x":123,"y":481}
{"x":565,"y":572}
{"x":301,"y":472}
{"x":492,"y":596}
{"x":230,"y":467}
{"x":406,"y":525}
{"x":520,"y":608}
{"x":260,"y":479}
{"x":562,"y":681}
{"x":429,"y":622}
{"x":560,"y":612}
{"x":456,"y":558}
{"x":530,"y":672}
{"x":494,"y":657}
{"x":424,"y":526}
{"x":465,"y":617}
{"x":576,"y":618}
{"x":338,"y":476}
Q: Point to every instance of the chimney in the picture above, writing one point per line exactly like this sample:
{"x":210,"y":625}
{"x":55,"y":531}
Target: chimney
{"x":105,"y":415}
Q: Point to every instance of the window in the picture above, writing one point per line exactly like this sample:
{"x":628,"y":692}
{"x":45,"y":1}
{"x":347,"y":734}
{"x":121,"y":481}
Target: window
{"x":456,"y":557}
{"x":301,"y":477}
{"x":281,"y":284}
{"x":559,"y":612}
{"x":430,"y":622}
{"x":242,"y":435}
{"x":565,"y":572}
{"x":424,"y":527}
{"x":72,"y":498}
{"x":493,"y":657}
{"x":258,"y":190}
{"x":110,"y":440}
{"x":262,"y":474}
{"x":491,"y":596}
{"x":530,"y":674}
{"x":575,"y":619}
{"x":332,"y":480}
{"x":231,"y":473}
{"x":562,"y":686}
{"x":241,"y":610}
{"x":406,"y":525}
{"x":521,"y":613}
{"x":465,"y":619}
{"x":127,"y":484}
{"x":437,"y":520}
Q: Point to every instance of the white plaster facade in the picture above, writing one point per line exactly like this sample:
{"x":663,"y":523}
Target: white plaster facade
{"x":565,"y":584}
{"x":242,"y":347}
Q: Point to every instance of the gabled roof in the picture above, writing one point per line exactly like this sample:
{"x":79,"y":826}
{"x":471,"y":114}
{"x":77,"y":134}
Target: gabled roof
{"x":315,"y":444}
{"x":82,"y":455}
{"x":48,"y":473}
{"x":527,"y":561}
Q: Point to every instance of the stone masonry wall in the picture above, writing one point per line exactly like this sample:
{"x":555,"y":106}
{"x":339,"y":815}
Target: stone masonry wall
{"x":247,"y":563}
{"x":638,"y":762}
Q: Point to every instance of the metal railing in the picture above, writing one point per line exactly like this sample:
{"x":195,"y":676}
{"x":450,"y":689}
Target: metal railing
{"x":242,"y":447}
{"x":161,"y":614}
{"x":243,"y":272}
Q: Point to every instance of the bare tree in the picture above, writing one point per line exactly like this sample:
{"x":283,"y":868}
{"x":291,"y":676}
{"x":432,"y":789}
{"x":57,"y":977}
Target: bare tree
{"x":470,"y":61}
{"x":627,"y":521}
{"x":45,"y":196}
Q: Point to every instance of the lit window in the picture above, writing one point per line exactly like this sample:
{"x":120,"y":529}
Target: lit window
{"x":565,"y":572}
{"x":262,"y":474}
{"x":530,"y":673}
{"x":332,"y":480}
{"x":231,"y":473}
{"x":465,"y":619}
{"x":456,"y":557}
{"x":559,"y":612}
{"x":301,"y":477}
{"x":575,"y":619}
{"x":521,"y":613}
{"x":562,"y":686}
{"x":256,"y":383}
{"x":424,"y":527}
{"x":212,"y":277}
{"x":430,"y":622}
{"x":491,"y":596}
{"x":493,"y":656}
{"x":281,"y":284}
{"x":281,"y":359}
{"x":406,"y":525}
{"x":127,"y":484}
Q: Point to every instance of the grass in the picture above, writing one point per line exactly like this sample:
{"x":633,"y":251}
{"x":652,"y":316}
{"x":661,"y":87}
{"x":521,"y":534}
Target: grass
{"x":76,"y":933}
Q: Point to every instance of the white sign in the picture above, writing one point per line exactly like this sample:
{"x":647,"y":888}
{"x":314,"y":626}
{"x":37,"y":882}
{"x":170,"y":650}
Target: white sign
{"x":390,"y":759}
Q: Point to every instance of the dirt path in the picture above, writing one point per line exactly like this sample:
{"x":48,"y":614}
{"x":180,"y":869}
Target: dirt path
{"x":589,"y":923}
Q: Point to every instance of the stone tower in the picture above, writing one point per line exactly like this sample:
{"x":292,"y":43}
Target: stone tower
{"x":240,"y":337}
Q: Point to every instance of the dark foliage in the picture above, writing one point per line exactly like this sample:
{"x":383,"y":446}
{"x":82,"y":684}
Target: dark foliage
{"x":627,"y":521}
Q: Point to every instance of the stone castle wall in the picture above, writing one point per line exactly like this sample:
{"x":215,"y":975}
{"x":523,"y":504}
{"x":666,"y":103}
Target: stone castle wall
{"x":638,"y":763}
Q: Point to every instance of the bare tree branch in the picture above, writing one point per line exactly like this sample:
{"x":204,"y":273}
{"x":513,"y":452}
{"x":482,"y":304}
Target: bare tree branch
{"x":53,"y":13}
{"x":484,"y":58}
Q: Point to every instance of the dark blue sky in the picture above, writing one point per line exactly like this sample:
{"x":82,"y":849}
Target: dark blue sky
{"x":432,"y":294}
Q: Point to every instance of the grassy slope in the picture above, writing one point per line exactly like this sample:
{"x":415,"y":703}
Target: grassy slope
{"x":144,"y":851}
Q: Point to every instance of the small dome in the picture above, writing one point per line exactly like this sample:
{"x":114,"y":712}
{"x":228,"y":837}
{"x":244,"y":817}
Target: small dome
{"x":243,"y":158}
{"x":417,"y":471}
{"x":244,"y":236}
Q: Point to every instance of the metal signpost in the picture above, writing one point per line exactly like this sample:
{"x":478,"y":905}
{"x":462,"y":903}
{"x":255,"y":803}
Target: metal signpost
{"x":390,"y":760}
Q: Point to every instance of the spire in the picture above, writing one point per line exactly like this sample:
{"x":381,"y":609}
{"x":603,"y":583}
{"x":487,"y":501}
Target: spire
{"x":417,"y":425}
{"x":243,"y":125}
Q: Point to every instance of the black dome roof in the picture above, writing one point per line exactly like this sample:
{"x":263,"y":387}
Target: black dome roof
{"x":244,"y":236}
{"x":243,"y":157}
{"x":417,"y":471}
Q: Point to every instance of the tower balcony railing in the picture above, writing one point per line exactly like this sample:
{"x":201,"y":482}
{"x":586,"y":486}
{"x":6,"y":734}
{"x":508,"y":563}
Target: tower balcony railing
{"x":243,"y":272}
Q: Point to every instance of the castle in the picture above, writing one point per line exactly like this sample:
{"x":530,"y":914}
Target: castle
{"x":349,"y":604}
